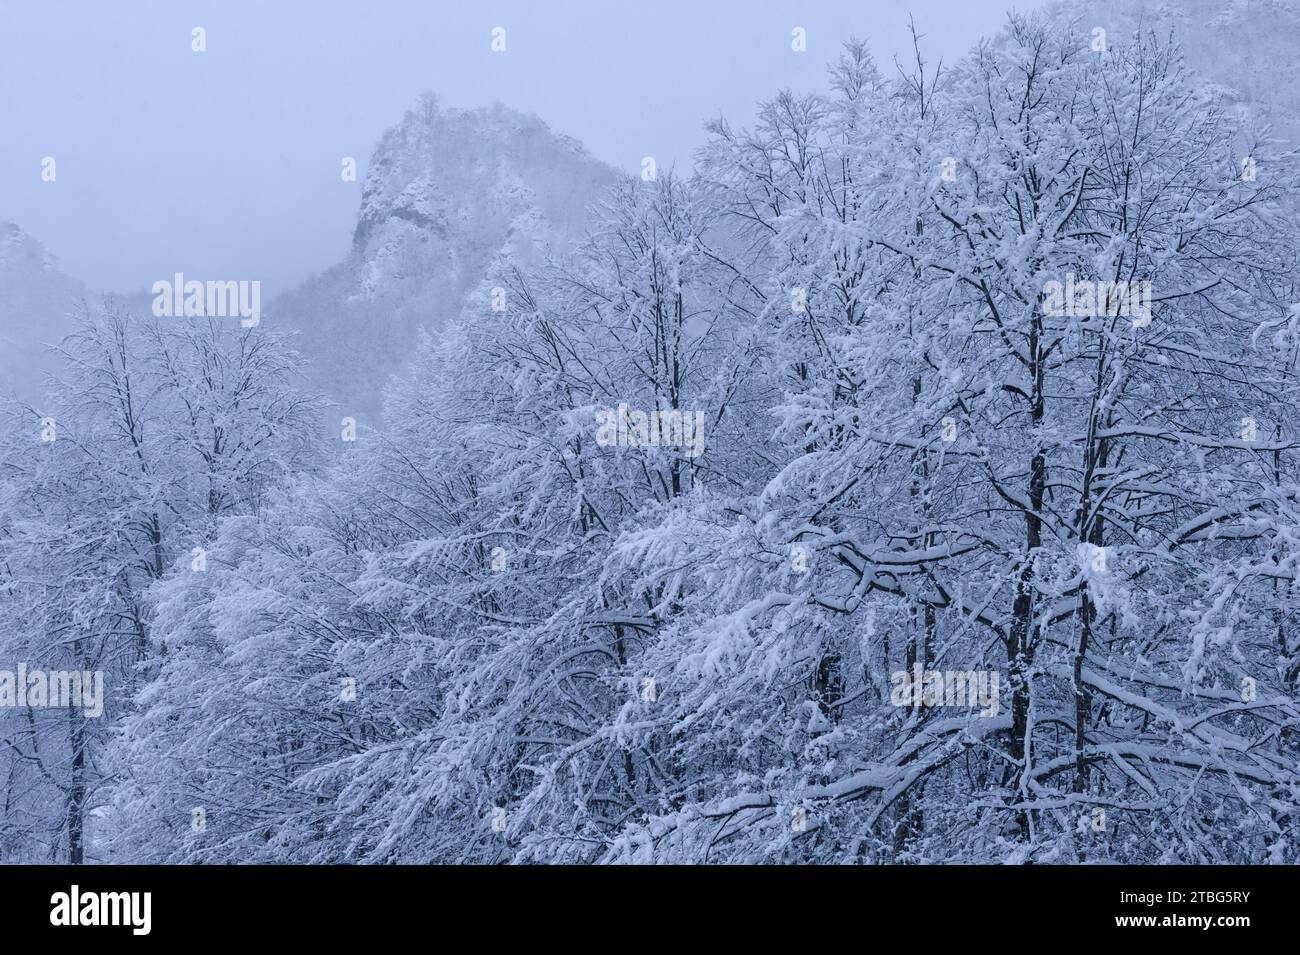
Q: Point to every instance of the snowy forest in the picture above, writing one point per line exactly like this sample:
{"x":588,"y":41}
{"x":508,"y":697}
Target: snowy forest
{"x":915,"y":479}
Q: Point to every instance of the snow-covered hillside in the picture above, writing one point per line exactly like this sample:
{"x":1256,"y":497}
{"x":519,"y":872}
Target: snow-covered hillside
{"x":1248,"y":47}
{"x":36,"y":300}
{"x":445,"y":191}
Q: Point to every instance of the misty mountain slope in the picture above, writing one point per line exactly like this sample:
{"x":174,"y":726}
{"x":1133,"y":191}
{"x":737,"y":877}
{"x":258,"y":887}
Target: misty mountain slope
{"x":1246,"y":46}
{"x":36,"y":305}
{"x":446,"y":191}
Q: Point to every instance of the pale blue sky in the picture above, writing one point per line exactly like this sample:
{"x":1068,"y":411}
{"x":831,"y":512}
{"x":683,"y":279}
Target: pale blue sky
{"x":226,"y":163}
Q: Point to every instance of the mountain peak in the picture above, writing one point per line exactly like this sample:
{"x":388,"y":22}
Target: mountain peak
{"x":20,"y":250}
{"x":435,"y":168}
{"x":446,"y":191}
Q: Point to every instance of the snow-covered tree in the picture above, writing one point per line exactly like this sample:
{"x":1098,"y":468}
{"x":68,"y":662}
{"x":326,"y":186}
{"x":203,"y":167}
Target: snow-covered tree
{"x":912,"y":482}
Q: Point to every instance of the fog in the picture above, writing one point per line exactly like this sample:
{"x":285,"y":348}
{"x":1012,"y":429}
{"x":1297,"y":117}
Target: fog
{"x":227,"y":162}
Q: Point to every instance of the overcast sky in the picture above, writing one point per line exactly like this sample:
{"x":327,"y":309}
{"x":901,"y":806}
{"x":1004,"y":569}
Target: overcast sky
{"x":225,"y":164}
